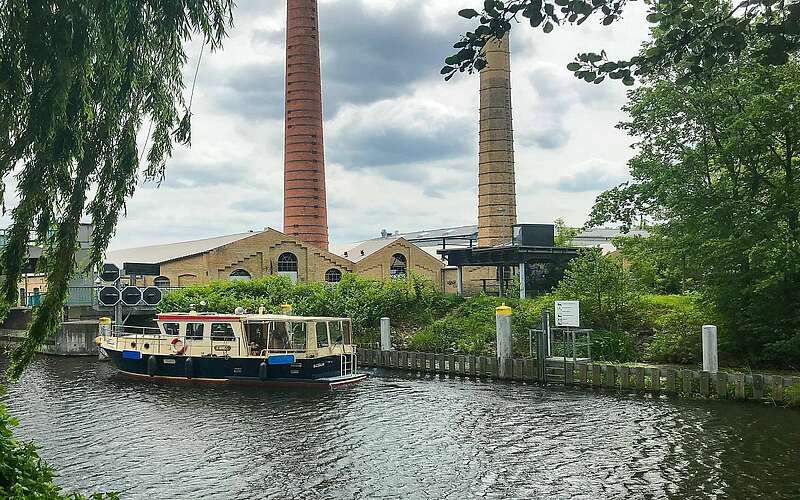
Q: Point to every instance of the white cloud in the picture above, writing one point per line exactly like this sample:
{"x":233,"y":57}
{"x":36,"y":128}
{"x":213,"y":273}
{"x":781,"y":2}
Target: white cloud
{"x":401,"y":144}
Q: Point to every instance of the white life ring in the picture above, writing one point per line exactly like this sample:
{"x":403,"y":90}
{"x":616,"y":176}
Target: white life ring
{"x":177,"y":346}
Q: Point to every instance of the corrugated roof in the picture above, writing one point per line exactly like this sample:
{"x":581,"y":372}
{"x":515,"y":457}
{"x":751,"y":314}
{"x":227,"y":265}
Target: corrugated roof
{"x":156,"y":254}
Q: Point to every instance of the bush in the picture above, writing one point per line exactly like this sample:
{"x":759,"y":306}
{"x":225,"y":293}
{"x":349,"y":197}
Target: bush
{"x":612,"y":346}
{"x":677,"y":325}
{"x":23,"y":474}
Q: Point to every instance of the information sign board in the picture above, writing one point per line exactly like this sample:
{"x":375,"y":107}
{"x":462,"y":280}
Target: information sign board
{"x":568,"y":313}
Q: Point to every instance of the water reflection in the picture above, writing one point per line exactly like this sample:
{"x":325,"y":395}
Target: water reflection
{"x":396,"y":436}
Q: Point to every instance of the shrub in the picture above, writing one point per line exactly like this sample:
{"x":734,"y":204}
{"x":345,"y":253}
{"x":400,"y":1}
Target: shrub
{"x":612,"y":346}
{"x":677,"y":325}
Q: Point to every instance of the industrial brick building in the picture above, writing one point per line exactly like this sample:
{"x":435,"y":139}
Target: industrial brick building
{"x":250,"y":255}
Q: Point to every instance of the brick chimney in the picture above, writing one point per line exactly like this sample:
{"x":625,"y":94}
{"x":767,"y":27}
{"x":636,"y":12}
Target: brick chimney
{"x":305,"y":213}
{"x":497,"y":200}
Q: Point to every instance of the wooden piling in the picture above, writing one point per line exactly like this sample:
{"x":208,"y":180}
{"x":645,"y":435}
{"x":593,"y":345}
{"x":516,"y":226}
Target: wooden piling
{"x":462,"y":362}
{"x":482,"y":363}
{"x":687,"y":376}
{"x":569,"y":373}
{"x":509,"y":368}
{"x":705,"y":384}
{"x":721,"y":385}
{"x":624,"y":377}
{"x":493,"y":369}
{"x":738,"y":380}
{"x":611,"y":376}
{"x":758,"y":387}
{"x":671,"y":380}
{"x":451,"y":364}
{"x":638,"y":378}
{"x":583,"y":374}
{"x":655,"y":380}
{"x":596,"y":375}
{"x":473,"y":366}
{"x":777,"y":388}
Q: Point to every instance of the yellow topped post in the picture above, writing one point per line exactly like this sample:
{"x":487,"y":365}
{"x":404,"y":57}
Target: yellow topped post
{"x":286,"y":309}
{"x":504,"y":338}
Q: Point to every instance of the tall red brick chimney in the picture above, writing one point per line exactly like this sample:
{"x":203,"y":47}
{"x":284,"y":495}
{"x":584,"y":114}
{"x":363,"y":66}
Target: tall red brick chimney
{"x":305,"y":213}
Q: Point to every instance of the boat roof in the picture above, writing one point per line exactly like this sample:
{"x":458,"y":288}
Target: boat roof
{"x":195,"y":316}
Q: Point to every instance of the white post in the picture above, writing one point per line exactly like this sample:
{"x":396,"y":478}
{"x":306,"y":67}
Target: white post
{"x":386,"y":335}
{"x":459,"y":282}
{"x":710,"y":359}
{"x":522,"y":280}
{"x":504,"y":345}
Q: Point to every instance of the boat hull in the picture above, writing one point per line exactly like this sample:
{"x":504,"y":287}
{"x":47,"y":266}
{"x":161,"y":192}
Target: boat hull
{"x":314,"y":372}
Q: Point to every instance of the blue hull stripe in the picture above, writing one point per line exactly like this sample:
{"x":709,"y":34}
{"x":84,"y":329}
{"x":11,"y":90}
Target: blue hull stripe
{"x":280,"y":360}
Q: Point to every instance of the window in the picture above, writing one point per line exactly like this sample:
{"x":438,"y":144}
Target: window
{"x":172,"y":328}
{"x":322,"y":335}
{"x":398,"y":266}
{"x":287,"y":263}
{"x":279,"y":336}
{"x":222,"y":331}
{"x":333,"y":275}
{"x":240,"y":275}
{"x":187,"y":279}
{"x":335,"y":330}
{"x":161,"y":282}
{"x":194,"y":331}
{"x":297,"y":336}
{"x":347,"y":330}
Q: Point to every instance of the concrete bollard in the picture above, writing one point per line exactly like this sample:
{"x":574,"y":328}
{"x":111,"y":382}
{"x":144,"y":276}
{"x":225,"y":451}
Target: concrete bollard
{"x":710,"y":359}
{"x":386,"y":335}
{"x":504,"y":346}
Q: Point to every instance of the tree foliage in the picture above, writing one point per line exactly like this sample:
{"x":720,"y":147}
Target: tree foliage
{"x":564,"y":233}
{"x":695,"y":35}
{"x":77,"y":81}
{"x":718,"y":166}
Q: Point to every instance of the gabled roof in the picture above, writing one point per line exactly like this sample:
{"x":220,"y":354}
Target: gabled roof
{"x":355,"y":252}
{"x":157,"y":254}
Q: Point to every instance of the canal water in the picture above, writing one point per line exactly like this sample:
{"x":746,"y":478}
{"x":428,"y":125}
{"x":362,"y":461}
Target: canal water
{"x":396,"y":436}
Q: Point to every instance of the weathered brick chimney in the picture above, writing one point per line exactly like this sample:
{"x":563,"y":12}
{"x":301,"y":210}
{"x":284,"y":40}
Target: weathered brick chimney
{"x":305,"y":213}
{"x":497,"y":200}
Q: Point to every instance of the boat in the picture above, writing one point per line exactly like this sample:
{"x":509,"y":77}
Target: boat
{"x":269,"y":349}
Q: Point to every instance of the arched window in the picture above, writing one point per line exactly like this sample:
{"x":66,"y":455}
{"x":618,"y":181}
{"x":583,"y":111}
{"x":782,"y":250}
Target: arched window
{"x":333,"y":275}
{"x":240,"y":275}
{"x":161,"y":282}
{"x":287,"y":263}
{"x":398,"y":266}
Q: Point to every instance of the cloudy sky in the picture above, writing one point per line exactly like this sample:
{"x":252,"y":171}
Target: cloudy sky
{"x":401,"y":144}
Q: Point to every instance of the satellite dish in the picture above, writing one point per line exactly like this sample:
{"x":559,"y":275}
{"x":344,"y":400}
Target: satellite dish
{"x":152,"y":295}
{"x":108,"y":296}
{"x":131,"y":296}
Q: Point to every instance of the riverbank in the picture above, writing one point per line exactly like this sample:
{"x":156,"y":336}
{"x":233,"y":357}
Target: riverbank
{"x":778,"y":390}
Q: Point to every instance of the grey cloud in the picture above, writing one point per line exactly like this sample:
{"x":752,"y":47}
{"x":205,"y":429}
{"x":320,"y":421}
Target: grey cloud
{"x":181,"y":174}
{"x":263,"y":204}
{"x":395,"y":145}
{"x":594,"y":178}
{"x":552,"y":137}
{"x":253,"y":90}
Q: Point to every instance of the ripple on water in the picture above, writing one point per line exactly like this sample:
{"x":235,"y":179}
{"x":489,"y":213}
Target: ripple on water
{"x":396,"y":436}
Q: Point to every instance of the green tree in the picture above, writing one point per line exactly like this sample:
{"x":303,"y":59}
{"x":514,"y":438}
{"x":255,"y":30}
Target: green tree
{"x":78,"y":80}
{"x":718,"y":163}
{"x":655,"y":262}
{"x":564,"y":233}
{"x":693,"y":35}
{"x":608,"y":293}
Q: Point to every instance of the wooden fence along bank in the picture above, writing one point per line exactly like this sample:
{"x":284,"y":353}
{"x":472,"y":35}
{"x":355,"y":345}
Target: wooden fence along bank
{"x":681,"y":383}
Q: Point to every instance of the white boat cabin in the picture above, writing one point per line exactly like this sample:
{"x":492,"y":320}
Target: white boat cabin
{"x":238,"y":335}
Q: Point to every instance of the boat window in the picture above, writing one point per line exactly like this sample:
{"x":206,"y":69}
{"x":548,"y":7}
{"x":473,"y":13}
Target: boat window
{"x":172,"y":328}
{"x":194,"y":331}
{"x":222,"y":331}
{"x":322,"y":334}
{"x":279,"y":336}
{"x":347,"y":332}
{"x":335,"y":329}
{"x":257,"y":336}
{"x":298,"y":336}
